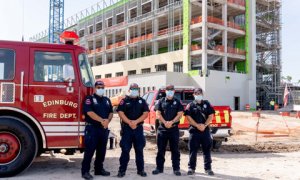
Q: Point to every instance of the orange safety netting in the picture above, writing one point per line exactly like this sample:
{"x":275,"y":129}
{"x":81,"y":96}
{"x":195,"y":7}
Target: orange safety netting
{"x":234,"y":26}
{"x":238,"y":2}
{"x":219,"y":48}
{"x":210,"y":19}
{"x":195,"y":47}
{"x":236,"y":51}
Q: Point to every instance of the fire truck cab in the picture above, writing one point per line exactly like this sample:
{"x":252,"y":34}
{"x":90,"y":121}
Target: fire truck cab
{"x":42,"y":87}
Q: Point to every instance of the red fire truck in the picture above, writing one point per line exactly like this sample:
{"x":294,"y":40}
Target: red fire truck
{"x":41,"y":90}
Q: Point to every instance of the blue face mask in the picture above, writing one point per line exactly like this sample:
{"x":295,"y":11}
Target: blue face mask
{"x":133,"y":93}
{"x":100,"y":92}
{"x":170,"y":94}
{"x":198,"y":98}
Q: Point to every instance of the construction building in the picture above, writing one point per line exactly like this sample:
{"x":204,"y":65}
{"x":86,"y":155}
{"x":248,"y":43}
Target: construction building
{"x":226,"y":47}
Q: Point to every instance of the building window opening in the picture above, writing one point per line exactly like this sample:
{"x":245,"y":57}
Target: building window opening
{"x":178,"y":67}
{"x":132,"y":72}
{"x":161,"y":67}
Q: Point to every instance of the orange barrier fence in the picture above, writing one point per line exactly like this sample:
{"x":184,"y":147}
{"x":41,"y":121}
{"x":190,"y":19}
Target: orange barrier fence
{"x":214,"y":20}
{"x":247,"y":107}
{"x":219,"y":48}
{"x":195,"y":47}
{"x":210,"y":19}
{"x":238,"y":2}
{"x":236,"y":51}
{"x":167,"y":30}
{"x":234,"y":26}
{"x":196,"y":20}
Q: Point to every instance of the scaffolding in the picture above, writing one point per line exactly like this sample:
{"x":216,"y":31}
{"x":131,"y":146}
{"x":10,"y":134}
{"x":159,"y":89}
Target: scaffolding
{"x":268,"y":30}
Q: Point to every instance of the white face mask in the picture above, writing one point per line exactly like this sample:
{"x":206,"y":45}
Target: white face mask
{"x":100,"y":92}
{"x":169,"y":93}
{"x":133,"y":93}
{"x":198,"y":97}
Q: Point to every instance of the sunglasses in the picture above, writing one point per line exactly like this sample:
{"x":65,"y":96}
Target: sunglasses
{"x":134,"y":89}
{"x":99,"y":87}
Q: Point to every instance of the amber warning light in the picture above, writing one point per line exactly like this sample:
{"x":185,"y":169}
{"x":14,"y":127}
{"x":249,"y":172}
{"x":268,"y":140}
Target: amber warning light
{"x":68,"y":37}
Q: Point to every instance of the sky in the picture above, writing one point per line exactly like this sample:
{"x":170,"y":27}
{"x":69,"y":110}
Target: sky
{"x":33,"y":18}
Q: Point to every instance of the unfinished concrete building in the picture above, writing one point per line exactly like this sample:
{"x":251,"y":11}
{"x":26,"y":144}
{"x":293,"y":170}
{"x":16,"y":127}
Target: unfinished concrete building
{"x":207,"y":43}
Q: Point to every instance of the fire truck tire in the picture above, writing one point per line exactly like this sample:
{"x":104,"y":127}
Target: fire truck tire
{"x":216,"y":144}
{"x":18,"y":146}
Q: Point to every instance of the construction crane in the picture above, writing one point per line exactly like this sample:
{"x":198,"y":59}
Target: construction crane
{"x":56,"y":20}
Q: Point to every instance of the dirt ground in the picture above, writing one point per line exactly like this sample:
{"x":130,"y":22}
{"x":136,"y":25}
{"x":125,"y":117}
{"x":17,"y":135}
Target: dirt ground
{"x":273,"y":154}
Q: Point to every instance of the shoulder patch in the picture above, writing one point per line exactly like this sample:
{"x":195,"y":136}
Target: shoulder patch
{"x":122,"y":102}
{"x":174,"y":102}
{"x":205,"y":106}
{"x":88,"y":102}
{"x":140,"y":101}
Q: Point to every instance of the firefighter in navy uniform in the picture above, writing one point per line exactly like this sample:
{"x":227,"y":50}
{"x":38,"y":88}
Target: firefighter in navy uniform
{"x":168,"y":111}
{"x":199,"y":114}
{"x":98,"y":113}
{"x":133,"y":110}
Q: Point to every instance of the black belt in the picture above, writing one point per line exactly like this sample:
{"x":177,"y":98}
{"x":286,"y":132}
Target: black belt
{"x":91,"y":124}
{"x":124,"y":124}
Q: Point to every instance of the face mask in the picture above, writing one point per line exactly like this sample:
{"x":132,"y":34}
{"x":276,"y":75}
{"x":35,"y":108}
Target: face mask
{"x":170,"y":94}
{"x":100,"y":92}
{"x":198,"y":98}
{"x":133,"y":93}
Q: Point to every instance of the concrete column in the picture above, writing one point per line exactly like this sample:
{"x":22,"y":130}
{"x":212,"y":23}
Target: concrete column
{"x":104,"y":43}
{"x":114,"y":51}
{"x":225,"y":38}
{"x":94,"y":47}
{"x":204,"y":37}
{"x":127,"y":36}
{"x":251,"y":53}
{"x":154,"y":32}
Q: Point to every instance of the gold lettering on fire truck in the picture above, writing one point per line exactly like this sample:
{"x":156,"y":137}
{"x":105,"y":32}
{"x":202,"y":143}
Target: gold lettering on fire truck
{"x":60,"y":102}
{"x":60,"y":115}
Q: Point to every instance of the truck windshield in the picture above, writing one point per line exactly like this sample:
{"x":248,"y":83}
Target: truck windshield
{"x":85,"y":71}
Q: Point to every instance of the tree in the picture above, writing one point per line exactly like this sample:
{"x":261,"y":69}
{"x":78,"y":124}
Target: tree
{"x":289,"y":78}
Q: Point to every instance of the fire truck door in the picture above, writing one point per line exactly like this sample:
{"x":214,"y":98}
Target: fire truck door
{"x":54,"y":95}
{"x":13,"y":77}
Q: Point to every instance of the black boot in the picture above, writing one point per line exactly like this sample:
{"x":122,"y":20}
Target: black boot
{"x":87,"y":176}
{"x":102,"y":172}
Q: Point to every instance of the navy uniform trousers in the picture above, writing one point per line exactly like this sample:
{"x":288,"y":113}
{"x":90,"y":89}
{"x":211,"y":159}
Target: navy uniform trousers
{"x":95,"y":139}
{"x":196,"y":139}
{"x":137,"y":138}
{"x":163,"y":137}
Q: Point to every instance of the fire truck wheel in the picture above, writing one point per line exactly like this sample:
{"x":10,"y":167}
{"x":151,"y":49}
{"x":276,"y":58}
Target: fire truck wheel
{"x":216,"y":144}
{"x":18,"y":146}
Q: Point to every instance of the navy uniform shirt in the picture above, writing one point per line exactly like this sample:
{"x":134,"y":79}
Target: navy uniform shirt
{"x":169,"y":109}
{"x":133,"y":108}
{"x":199,"y":112}
{"x":99,"y":105}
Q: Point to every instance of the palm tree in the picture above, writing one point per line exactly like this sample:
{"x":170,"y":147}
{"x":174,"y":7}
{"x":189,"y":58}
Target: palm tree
{"x":289,"y":78}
